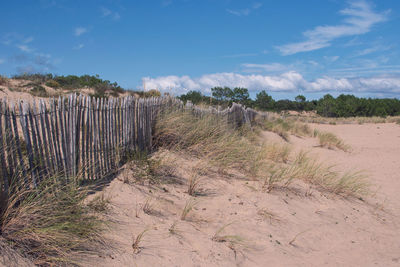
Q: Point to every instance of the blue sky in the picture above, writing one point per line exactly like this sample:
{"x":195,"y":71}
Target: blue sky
{"x":309,"y":47}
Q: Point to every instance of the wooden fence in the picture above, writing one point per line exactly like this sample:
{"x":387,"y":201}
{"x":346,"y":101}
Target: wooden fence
{"x":81,"y":135}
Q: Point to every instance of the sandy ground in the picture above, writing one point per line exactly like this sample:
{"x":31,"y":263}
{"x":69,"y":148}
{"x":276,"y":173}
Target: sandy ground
{"x":296,"y":227}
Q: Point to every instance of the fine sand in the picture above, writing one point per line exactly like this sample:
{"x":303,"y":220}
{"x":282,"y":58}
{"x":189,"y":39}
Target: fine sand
{"x":299,"y":226}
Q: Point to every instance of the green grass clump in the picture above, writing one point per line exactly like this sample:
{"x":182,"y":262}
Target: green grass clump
{"x":210,"y":138}
{"x":286,"y":127}
{"x":52,"y":83}
{"x":39,"y":91}
{"x":331,"y":141}
{"x":51,"y":224}
{"x":351,"y":183}
{"x":3,"y":80}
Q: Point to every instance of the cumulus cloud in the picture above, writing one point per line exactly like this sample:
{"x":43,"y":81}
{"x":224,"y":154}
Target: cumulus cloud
{"x":25,"y":48}
{"x":109,"y":13}
{"x":79,"y":31}
{"x":331,"y":58}
{"x":79,"y":46}
{"x":245,"y":11}
{"x":360,"y":18}
{"x":272,"y":67}
{"x":286,"y":82}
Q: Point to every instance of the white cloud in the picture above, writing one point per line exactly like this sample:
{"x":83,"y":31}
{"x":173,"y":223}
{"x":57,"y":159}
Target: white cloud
{"x":28,"y":40}
{"x":273,"y":67}
{"x":331,"y":58}
{"x":80,"y":30}
{"x":287,"y":82}
{"x":373,"y":49}
{"x":298,"y":66}
{"x":245,"y":11}
{"x":25,"y":48}
{"x":79,"y":46}
{"x":241,"y":55}
{"x":109,"y":13}
{"x":360,"y":18}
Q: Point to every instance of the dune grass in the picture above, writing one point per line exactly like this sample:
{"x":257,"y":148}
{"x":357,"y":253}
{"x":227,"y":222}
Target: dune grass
{"x":137,"y":241}
{"x":286,"y":127}
{"x":51,"y":224}
{"x":210,"y":139}
{"x":331,"y":141}
{"x":350,"y":183}
{"x":190,"y":204}
{"x":349,"y":120}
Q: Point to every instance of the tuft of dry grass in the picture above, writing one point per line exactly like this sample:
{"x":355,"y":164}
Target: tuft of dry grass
{"x":277,"y":152}
{"x":136,"y":241}
{"x":331,"y":141}
{"x":232,"y":239}
{"x":266,"y":214}
{"x":351,"y":183}
{"x":99,"y":203}
{"x":194,"y":182}
{"x":3,"y":80}
{"x":285,"y":127}
{"x":209,"y":138}
{"x":190,"y":204}
{"x":51,"y":224}
{"x":148,"y":206}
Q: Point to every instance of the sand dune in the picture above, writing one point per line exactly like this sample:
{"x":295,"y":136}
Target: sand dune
{"x":300,"y":226}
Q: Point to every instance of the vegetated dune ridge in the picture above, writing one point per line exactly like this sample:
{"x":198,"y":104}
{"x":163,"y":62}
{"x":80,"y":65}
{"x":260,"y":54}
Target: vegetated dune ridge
{"x":235,"y":223}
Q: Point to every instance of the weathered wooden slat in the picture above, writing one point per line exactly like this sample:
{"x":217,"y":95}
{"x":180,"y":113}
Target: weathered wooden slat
{"x":37,"y":140}
{"x":21,"y":163}
{"x":109,"y":134}
{"x":124,"y":126}
{"x":56,"y":135}
{"x":128,"y":119}
{"x":72,"y":129}
{"x":45,"y":142}
{"x":49,"y":134}
{"x":78,"y":158}
{"x":84,"y":166}
{"x":10,"y":144}
{"x":112,"y":130}
{"x":63,"y":136}
{"x":134,"y":124}
{"x":119,"y":128}
{"x":96,"y":136}
{"x":115,"y":129}
{"x":25,"y":129}
{"x":35,"y":145}
{"x":2,"y":153}
{"x":100,"y":138}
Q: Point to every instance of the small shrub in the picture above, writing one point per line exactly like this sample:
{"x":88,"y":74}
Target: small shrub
{"x":39,"y":91}
{"x":152,"y":93}
{"x":3,"y":80}
{"x":53,"y":84}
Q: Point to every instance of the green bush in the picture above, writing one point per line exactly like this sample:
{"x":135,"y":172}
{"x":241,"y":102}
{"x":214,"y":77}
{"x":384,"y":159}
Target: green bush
{"x":3,"y":80}
{"x":152,"y":93}
{"x":53,"y":84}
{"x":39,"y":91}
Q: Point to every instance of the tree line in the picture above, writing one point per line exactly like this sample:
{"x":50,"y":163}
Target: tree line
{"x":327,"y":106}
